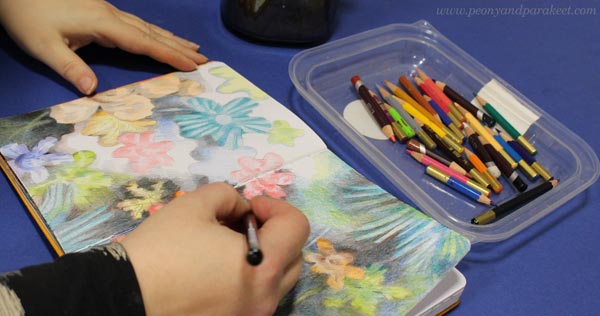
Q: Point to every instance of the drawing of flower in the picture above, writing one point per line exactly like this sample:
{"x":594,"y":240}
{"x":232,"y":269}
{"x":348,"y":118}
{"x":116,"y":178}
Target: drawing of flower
{"x":337,"y":265}
{"x":91,"y":188}
{"x":189,"y":87}
{"x":146,"y":196}
{"x":262,"y":176}
{"x":236,"y":83}
{"x":34,"y":162}
{"x":283,"y":133}
{"x":225,"y":123}
{"x":269,"y":185}
{"x":142,"y":152}
{"x":108,"y":127}
{"x":159,"y":87}
{"x":118,"y":102}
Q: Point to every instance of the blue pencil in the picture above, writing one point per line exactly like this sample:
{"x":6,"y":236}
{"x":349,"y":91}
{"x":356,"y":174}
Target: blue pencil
{"x":457,"y":185}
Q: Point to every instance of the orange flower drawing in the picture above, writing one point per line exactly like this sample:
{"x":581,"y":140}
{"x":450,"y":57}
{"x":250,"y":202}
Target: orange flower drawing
{"x":333,"y":263}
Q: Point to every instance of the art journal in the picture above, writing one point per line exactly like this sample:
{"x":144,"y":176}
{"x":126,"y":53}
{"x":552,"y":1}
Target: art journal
{"x":92,"y":169}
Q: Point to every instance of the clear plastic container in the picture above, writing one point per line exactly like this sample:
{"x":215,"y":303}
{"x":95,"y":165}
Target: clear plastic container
{"x":322,"y":76}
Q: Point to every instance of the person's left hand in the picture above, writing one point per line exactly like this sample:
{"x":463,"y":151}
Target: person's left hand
{"x":51,"y":30}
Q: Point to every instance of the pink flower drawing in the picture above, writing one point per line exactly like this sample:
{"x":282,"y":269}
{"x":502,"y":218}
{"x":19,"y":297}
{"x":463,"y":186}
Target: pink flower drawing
{"x":142,"y":152}
{"x":262,"y":176}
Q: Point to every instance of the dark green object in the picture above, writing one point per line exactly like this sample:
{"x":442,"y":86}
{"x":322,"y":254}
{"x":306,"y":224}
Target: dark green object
{"x":501,"y":120}
{"x":281,"y":21}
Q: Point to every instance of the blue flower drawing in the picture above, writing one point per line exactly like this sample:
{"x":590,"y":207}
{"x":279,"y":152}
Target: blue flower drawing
{"x":34,"y":162}
{"x":225,"y":123}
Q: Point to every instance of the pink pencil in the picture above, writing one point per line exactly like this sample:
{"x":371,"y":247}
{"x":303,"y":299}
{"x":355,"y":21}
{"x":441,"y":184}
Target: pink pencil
{"x":428,"y":161}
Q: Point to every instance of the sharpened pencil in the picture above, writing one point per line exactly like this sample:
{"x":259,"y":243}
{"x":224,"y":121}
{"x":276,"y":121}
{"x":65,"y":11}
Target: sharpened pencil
{"x":514,"y":204}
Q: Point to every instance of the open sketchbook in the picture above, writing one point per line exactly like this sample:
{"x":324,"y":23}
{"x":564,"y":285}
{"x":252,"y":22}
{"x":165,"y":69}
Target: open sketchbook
{"x":92,"y":169}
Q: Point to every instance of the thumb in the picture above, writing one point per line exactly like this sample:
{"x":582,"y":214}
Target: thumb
{"x":70,"y":66}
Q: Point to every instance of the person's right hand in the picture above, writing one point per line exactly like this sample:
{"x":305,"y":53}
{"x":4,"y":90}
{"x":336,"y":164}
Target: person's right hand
{"x":189,"y":261}
{"x":51,"y":30}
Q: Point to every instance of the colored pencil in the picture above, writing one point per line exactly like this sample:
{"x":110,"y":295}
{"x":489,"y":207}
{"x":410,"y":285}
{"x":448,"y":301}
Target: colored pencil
{"x":254,"y":255}
{"x":514,"y":203}
{"x":445,"y":119}
{"x":417,"y":96}
{"x":481,"y":152}
{"x":539,"y":168}
{"x":460,"y":160}
{"x":392,"y":115}
{"x":374,"y":108}
{"x":506,"y":170}
{"x":443,"y":134}
{"x":523,"y":165}
{"x":476,"y":125}
{"x":482,"y":168}
{"x":506,"y":125}
{"x":397,"y":113}
{"x":428,"y":161}
{"x":457,"y":185}
{"x":398,"y":92}
{"x":458,"y":98}
{"x":414,"y":145}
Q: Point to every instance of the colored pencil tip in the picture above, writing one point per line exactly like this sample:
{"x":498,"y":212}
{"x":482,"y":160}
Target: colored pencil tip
{"x":355,"y":79}
{"x":421,"y":74}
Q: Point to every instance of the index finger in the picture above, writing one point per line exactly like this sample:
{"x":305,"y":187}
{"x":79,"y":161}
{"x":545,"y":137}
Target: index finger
{"x":131,"y":39}
{"x":217,"y":201}
{"x":283,"y":232}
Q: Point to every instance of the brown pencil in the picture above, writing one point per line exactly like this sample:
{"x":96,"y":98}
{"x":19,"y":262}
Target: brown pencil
{"x":374,"y":108}
{"x":456,"y":97}
{"x":509,"y":173}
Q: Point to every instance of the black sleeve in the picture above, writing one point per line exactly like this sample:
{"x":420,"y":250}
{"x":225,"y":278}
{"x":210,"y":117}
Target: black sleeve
{"x":96,"y":282}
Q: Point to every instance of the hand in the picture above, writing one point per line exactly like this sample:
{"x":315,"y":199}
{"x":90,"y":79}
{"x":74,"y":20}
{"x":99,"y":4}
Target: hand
{"x":51,"y":30}
{"x":189,"y":260}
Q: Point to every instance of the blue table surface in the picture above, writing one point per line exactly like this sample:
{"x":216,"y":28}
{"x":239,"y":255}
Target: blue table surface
{"x":551,"y":268}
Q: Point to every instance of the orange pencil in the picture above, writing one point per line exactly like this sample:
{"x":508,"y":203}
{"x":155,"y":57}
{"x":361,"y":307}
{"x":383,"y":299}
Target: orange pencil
{"x":414,"y":92}
{"x":482,"y":168}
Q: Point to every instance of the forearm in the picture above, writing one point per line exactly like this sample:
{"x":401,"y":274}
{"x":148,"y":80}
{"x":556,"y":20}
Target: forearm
{"x":97,"y":282}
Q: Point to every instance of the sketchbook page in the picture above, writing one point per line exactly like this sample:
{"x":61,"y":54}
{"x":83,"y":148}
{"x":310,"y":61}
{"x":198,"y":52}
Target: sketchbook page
{"x":94,"y":168}
{"x":369,"y":253}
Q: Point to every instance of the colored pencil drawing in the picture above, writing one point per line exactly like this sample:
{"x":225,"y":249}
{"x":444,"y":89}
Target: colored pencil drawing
{"x":369,"y":253}
{"x":224,"y":123}
{"x":96,"y":167}
{"x":234,"y":83}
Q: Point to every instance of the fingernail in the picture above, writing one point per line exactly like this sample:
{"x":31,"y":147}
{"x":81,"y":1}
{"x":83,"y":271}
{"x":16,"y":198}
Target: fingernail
{"x":86,"y":85}
{"x":203,"y":59}
{"x":193,"y":45}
